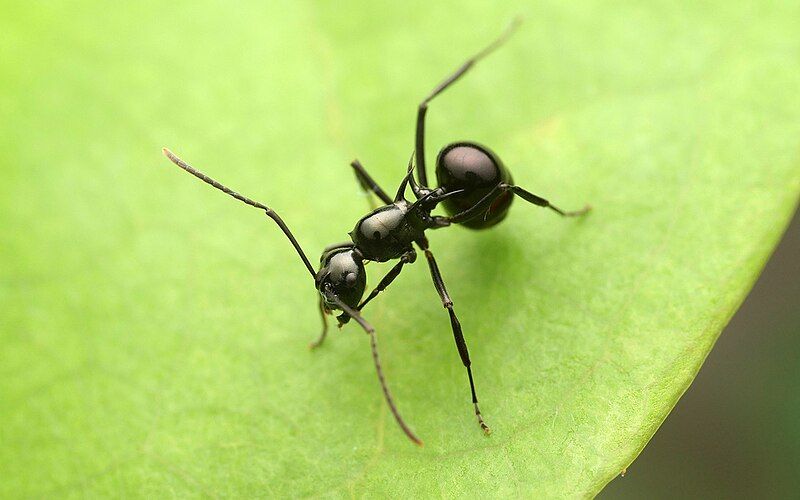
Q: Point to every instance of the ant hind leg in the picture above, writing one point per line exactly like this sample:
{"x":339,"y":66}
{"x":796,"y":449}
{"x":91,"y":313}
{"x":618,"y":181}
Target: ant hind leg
{"x":541,"y":202}
{"x":422,"y":109}
{"x":484,"y":203}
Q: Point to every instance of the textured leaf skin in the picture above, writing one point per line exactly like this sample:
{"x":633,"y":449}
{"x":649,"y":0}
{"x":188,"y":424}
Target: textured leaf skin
{"x":153,"y":333}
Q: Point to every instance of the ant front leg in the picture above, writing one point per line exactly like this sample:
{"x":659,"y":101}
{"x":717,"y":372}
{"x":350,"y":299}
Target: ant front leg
{"x":407,"y":258}
{"x":458,"y":335}
{"x":369,"y":185}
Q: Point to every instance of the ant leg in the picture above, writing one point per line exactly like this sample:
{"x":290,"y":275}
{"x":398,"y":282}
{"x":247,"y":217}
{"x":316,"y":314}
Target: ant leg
{"x":373,"y":340}
{"x":475,"y":210}
{"x":484,"y":203}
{"x":369,"y":185}
{"x":323,"y":315}
{"x":407,"y":258}
{"x":541,"y":202}
{"x":423,"y":106}
{"x":270,"y":213}
{"x":461,"y":344}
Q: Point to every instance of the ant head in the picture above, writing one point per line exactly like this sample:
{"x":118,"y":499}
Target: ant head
{"x":342,"y":274}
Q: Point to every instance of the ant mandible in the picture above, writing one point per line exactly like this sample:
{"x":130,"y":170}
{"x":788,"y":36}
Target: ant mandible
{"x":475,"y":189}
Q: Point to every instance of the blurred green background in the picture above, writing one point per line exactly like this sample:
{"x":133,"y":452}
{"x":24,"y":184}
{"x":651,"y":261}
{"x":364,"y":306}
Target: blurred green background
{"x":119,"y":274}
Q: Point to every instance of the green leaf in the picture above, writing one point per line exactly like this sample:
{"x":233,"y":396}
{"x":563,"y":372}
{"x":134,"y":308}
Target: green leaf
{"x":154,"y":333}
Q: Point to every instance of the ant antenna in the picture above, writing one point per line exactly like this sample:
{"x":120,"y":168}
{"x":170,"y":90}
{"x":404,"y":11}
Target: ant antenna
{"x":373,"y":340}
{"x":270,"y":213}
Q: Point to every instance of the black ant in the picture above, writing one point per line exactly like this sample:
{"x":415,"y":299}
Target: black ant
{"x":475,"y":189}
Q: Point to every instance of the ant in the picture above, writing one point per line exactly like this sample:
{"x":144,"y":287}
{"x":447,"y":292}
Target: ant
{"x":474,"y":188}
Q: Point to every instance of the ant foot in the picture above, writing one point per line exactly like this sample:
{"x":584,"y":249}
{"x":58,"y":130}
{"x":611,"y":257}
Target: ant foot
{"x":486,"y":429}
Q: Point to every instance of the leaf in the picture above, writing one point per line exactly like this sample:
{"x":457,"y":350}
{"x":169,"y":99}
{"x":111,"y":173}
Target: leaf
{"x":154,"y":332}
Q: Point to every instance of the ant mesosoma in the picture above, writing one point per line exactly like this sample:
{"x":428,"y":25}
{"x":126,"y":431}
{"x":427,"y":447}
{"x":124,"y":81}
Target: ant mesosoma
{"x":475,"y":189}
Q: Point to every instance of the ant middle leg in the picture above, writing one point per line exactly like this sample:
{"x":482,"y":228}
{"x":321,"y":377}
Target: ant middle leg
{"x":422,"y":109}
{"x":458,"y":335}
{"x":407,"y":258}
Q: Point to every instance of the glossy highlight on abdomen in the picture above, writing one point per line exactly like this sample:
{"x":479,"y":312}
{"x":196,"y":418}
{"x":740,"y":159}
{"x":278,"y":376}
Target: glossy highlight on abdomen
{"x":478,"y":170}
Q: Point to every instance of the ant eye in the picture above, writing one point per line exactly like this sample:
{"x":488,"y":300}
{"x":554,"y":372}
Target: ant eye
{"x":350,"y":279}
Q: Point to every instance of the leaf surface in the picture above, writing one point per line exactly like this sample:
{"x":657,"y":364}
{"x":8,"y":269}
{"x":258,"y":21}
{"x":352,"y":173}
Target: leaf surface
{"x":154,"y":333}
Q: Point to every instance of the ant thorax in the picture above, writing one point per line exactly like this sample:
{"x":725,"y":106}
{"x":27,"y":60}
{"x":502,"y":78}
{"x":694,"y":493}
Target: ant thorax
{"x":387,"y":232}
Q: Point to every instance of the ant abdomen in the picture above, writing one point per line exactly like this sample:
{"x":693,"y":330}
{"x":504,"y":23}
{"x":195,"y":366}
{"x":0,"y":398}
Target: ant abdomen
{"x":476,"y":169}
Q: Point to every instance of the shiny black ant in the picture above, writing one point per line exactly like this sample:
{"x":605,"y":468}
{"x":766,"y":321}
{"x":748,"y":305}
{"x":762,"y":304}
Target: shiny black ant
{"x":474,"y":188}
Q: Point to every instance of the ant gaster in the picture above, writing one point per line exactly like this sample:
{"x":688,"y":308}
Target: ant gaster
{"x":474,"y":188}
